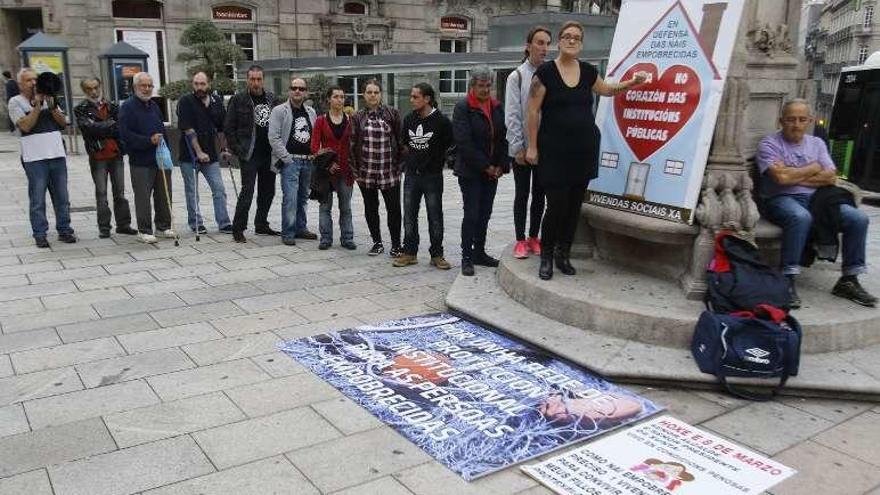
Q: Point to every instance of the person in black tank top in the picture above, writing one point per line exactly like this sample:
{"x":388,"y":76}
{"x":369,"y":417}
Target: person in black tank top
{"x":567,"y":141}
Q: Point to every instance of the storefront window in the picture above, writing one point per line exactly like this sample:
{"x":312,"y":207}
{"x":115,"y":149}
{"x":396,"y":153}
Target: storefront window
{"x":353,"y":86}
{"x":355,"y":8}
{"x":136,"y":9}
{"x":246,"y":42}
{"x":453,"y":81}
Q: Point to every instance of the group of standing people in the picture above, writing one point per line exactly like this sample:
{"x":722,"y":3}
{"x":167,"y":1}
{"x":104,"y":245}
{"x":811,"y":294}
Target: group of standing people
{"x":545,"y":132}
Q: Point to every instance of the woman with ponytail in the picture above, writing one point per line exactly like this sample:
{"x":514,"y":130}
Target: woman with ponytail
{"x":515,"y":105}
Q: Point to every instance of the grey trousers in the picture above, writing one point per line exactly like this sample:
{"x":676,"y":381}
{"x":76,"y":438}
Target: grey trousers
{"x":113,"y":169}
{"x":146,"y":182}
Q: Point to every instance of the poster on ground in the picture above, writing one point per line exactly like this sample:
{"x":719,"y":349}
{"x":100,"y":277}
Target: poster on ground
{"x":662,"y":456}
{"x":656,"y":136}
{"x":473,"y":399}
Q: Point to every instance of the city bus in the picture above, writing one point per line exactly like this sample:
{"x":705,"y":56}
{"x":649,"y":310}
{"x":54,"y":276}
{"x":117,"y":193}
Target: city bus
{"x":854,"y":130}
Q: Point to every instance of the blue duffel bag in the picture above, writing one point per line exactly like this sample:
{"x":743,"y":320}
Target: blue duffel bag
{"x":761,"y":344}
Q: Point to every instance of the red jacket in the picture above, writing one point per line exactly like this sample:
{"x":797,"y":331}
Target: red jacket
{"x":323,"y":137}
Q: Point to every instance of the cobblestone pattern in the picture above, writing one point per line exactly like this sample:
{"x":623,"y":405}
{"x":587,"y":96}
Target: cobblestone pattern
{"x":127,"y":368}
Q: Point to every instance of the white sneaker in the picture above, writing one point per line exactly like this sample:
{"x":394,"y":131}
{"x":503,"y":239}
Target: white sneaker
{"x":146,"y":238}
{"x":167,"y":234}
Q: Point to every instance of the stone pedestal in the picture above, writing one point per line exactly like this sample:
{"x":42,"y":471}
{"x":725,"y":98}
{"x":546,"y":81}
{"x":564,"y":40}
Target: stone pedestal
{"x":763,"y":73}
{"x":624,"y":314}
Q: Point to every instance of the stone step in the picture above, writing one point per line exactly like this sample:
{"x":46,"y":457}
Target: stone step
{"x":620,"y":302}
{"x":853,"y":374}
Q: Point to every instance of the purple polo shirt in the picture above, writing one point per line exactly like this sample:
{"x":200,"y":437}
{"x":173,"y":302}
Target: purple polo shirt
{"x":774,"y":148}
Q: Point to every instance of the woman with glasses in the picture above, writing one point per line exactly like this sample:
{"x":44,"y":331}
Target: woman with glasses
{"x":375,"y":162}
{"x":566,"y":141}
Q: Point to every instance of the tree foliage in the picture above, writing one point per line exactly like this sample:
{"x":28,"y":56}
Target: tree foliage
{"x":318,"y":85}
{"x":208,"y":51}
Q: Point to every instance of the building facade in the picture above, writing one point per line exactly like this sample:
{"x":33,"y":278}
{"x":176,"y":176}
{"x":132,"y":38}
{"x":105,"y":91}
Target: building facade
{"x":844,"y":35}
{"x":266,"y":29}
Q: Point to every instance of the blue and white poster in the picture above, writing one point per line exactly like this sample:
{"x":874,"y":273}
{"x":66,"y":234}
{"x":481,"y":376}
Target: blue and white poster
{"x":656,"y":136}
{"x":473,"y":399}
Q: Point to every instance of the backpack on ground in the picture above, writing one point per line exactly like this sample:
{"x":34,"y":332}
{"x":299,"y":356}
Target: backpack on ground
{"x":746,"y":330}
{"x":739,"y":280}
{"x":761,"y":344}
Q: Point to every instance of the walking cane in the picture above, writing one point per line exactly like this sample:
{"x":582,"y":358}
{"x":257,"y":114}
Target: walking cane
{"x":228,"y":161}
{"x":168,"y":201}
{"x":192,"y":157}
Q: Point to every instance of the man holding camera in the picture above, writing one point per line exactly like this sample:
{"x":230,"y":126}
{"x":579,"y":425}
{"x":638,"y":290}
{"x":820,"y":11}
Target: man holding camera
{"x":98,"y":119}
{"x":39,"y":121}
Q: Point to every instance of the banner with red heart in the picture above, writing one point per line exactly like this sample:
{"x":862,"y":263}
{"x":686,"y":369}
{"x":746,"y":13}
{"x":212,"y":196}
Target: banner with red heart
{"x":650,"y":115}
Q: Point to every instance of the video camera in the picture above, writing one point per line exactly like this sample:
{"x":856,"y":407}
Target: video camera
{"x":50,"y":86}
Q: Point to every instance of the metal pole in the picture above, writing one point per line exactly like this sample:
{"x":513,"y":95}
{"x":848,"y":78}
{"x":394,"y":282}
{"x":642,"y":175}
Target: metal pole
{"x":168,"y":202}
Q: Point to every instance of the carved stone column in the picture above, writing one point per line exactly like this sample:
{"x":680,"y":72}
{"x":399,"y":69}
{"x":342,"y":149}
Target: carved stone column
{"x":726,"y":198}
{"x":748,"y":111}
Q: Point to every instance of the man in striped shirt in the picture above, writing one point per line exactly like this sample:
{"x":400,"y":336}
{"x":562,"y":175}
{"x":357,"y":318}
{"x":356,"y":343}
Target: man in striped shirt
{"x":39,"y":121}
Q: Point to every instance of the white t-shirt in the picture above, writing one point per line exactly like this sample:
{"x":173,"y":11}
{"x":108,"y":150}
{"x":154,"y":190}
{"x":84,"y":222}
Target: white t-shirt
{"x":44,"y":140}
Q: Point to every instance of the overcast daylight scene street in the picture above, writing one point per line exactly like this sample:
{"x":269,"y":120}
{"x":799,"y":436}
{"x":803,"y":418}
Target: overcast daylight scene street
{"x":439,"y":247}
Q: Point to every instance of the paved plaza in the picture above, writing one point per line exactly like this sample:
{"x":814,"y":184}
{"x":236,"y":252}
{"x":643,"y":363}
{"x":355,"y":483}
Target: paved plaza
{"x":128,"y":368}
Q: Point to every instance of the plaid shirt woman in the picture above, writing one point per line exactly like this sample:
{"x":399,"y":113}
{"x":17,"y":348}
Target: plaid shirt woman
{"x":375,"y":150}
{"x":375,"y":162}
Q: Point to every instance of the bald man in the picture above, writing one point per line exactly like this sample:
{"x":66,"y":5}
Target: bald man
{"x":793,"y":166}
{"x":200,"y":116}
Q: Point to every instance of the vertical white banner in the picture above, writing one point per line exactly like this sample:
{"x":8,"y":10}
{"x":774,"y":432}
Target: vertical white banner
{"x":656,"y":136}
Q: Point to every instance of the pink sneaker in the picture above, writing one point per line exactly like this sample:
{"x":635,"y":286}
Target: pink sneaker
{"x":534,"y":245}
{"x":521,"y":250}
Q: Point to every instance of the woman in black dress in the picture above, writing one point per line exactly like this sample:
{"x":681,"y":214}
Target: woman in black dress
{"x":561,"y":97}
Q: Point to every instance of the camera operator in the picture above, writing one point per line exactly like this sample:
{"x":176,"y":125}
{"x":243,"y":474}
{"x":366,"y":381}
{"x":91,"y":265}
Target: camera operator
{"x":40,"y":121}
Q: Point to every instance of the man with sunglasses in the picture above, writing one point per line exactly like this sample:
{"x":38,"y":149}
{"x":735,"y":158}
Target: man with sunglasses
{"x":793,"y":166}
{"x":290,"y":135}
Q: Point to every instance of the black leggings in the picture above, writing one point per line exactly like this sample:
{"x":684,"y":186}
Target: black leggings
{"x":525,"y":178}
{"x":561,"y":219}
{"x":391,"y":197}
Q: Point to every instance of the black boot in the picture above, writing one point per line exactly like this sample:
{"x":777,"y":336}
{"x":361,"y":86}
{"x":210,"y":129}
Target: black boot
{"x":545,"y":272}
{"x":794,"y":300}
{"x":467,"y":267}
{"x":562,"y":259}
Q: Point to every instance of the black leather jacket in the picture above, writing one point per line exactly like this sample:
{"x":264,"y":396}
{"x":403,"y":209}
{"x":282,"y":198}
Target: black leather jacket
{"x":238,"y":127}
{"x":94,"y":129}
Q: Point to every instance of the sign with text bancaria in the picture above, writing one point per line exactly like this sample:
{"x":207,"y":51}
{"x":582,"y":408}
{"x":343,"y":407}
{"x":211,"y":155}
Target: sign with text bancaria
{"x":473,"y":399}
{"x":663,"y":456}
{"x":656,"y":136}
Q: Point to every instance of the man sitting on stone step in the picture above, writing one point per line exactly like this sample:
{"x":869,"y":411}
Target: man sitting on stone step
{"x":793,"y":165}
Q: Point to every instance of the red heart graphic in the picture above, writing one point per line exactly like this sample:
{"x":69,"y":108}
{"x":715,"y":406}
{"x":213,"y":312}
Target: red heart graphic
{"x":651,"y":114}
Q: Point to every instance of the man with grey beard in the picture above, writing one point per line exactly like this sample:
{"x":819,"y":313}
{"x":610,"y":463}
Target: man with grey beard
{"x":98,"y":119}
{"x":141,"y":129}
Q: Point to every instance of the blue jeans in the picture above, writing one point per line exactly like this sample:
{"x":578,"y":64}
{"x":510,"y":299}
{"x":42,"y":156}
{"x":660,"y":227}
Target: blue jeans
{"x":431,"y":187}
{"x":48,"y":175}
{"x":325,"y":218}
{"x":295,"y":177}
{"x":211,"y":172}
{"x":791,"y":212}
